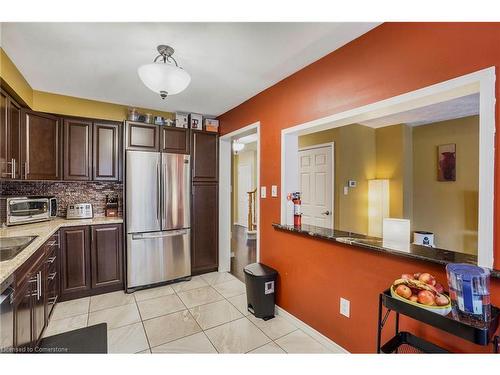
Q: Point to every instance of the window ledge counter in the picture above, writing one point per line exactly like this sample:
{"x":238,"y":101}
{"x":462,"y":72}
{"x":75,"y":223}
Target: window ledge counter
{"x":425,"y":253}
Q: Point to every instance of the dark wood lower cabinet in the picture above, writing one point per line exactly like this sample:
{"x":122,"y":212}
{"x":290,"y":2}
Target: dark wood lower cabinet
{"x":204,"y":223}
{"x":75,"y":262}
{"x":106,"y":255}
{"x":23,"y":330}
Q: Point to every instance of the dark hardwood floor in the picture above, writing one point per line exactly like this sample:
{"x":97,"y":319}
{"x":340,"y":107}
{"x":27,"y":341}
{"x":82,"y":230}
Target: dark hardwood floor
{"x":244,"y":251}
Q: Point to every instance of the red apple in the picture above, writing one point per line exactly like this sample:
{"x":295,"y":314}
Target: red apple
{"x":439,"y":288}
{"x":403,"y":291}
{"x":441,"y":300}
{"x":413,"y":298}
{"x":425,"y":297}
{"x":427,"y":278}
{"x":416,"y":275}
{"x":407,"y":276}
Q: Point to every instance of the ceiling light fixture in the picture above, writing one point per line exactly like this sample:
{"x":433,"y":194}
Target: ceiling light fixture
{"x":164,"y":76}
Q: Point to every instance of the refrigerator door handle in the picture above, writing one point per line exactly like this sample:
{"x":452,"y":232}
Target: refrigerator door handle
{"x":158,"y":187}
{"x":171,"y":233}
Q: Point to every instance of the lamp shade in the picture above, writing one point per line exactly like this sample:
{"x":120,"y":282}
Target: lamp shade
{"x":160,"y":77}
{"x":238,"y":146}
{"x":378,"y":205}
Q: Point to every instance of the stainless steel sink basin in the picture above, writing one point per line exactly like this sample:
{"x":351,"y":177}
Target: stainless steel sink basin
{"x":11,"y":246}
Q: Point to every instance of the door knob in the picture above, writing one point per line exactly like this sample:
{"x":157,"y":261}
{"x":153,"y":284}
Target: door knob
{"x":326,"y":213}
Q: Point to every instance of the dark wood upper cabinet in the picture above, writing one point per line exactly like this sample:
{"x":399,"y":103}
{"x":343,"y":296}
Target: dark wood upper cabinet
{"x":107,"y":256}
{"x":10,"y":137}
{"x":174,"y":140}
{"x":41,"y":146}
{"x":142,"y":137}
{"x":77,"y":142}
{"x":205,"y":156}
{"x":204,"y":247}
{"x":75,"y":262}
{"x":106,"y":151}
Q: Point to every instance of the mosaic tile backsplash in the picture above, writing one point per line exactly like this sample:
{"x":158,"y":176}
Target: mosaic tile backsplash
{"x":68,"y":192}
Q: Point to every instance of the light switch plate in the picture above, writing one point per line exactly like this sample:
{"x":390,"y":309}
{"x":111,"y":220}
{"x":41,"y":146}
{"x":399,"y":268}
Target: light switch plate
{"x":345,"y":307}
{"x":274,"y":191}
{"x":346,"y":190}
{"x":263,"y":191}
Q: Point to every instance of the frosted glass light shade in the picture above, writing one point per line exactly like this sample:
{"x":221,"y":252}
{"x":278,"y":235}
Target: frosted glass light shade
{"x":238,"y":146}
{"x":164,"y":77}
{"x":396,"y":234}
{"x":378,"y":205}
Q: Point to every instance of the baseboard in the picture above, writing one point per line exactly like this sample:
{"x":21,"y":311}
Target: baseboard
{"x":322,"y":339}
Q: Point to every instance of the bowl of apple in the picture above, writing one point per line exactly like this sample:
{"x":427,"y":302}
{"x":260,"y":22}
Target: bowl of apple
{"x":422,"y":290}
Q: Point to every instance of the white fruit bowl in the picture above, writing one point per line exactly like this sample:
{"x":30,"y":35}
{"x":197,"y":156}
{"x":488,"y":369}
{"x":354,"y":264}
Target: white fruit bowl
{"x":441,"y":310}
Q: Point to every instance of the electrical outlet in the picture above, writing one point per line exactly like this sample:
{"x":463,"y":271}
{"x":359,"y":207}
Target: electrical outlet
{"x":274,"y":191}
{"x":345,"y":307}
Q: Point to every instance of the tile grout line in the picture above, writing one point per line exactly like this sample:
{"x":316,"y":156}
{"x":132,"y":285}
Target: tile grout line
{"x":143,"y":326}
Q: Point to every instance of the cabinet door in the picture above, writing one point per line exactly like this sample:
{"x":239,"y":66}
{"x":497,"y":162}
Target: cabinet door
{"x":14,"y":138}
{"x":107,"y":255}
{"x":75,"y":262}
{"x":174,"y":140}
{"x":204,"y":228}
{"x":41,"y":151}
{"x":107,"y":153}
{"x":142,"y":137}
{"x":23,"y":330}
{"x":4,"y":157}
{"x":205,"y":156}
{"x":39,"y":300}
{"x":77,"y":157}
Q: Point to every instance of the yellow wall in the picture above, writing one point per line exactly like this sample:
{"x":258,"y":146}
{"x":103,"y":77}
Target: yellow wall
{"x":449,"y":209}
{"x":245,"y":157}
{"x":62,"y":104}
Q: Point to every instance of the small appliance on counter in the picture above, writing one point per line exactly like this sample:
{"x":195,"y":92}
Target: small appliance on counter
{"x":111,"y":209}
{"x":79,"y":211}
{"x":423,"y":238}
{"x":28,"y":209}
{"x":469,"y":291}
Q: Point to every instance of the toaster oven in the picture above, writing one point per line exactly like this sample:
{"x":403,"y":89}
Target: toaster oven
{"x":30,"y":209}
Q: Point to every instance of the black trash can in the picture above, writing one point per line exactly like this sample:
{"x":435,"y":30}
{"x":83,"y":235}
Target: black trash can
{"x":260,"y":281}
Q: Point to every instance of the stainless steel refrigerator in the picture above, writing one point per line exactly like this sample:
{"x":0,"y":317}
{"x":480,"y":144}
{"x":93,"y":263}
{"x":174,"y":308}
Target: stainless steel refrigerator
{"x":158,"y":196}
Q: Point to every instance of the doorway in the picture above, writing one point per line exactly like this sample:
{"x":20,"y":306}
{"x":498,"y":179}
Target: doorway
{"x":316,"y":184}
{"x":238,"y":200}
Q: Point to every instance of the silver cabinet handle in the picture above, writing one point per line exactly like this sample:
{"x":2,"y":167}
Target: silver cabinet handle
{"x":52,"y":276}
{"x":158,"y":187}
{"x":52,"y":300}
{"x":39,"y":284}
{"x":13,"y":170}
{"x":51,"y":259}
{"x":171,"y":233}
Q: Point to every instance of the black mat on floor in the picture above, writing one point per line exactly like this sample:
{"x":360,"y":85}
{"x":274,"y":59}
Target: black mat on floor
{"x":93,"y":340}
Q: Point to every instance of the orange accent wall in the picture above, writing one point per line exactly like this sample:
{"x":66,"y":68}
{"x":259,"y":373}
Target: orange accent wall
{"x":392,"y":59}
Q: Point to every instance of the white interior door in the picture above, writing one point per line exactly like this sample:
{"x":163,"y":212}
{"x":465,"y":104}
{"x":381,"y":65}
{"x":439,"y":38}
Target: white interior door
{"x":244,"y":186}
{"x":316,"y":185}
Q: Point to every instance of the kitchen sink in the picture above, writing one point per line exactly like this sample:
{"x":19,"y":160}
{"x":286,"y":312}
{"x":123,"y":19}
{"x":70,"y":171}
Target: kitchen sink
{"x":11,"y":246}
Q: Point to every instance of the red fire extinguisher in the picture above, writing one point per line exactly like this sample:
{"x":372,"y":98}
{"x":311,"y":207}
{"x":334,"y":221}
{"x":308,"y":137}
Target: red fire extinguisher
{"x":297,"y":215}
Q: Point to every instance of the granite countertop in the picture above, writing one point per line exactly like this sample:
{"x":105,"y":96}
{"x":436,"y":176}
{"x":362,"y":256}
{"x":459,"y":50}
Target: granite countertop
{"x":425,"y":253}
{"x":43,"y":230}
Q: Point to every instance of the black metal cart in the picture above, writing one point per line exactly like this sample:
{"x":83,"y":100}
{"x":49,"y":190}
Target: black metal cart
{"x":405,"y":342}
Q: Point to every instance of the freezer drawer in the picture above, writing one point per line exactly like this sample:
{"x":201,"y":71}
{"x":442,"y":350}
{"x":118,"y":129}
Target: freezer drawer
{"x":157,"y":257}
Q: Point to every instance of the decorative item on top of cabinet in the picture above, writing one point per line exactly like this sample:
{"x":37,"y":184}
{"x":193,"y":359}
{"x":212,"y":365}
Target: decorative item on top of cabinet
{"x":204,"y":248}
{"x":174,"y":140}
{"x":41,"y":146}
{"x":10,"y":137}
{"x":107,"y":155}
{"x":106,"y":255}
{"x":205,"y":156}
{"x":77,"y":156}
{"x":142,"y":137}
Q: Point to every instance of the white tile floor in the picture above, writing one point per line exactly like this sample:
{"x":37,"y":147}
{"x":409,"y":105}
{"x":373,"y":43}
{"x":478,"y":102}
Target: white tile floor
{"x":204,"y":315}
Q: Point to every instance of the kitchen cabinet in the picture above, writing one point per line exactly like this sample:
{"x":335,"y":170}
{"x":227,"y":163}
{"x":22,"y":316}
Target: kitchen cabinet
{"x":142,"y":137}
{"x":107,"y":155}
{"x":205,"y":218}
{"x":77,"y":156}
{"x":174,"y":140}
{"x":91,"y":260}
{"x":205,"y":156}
{"x":41,"y":146}
{"x":32,"y":294}
{"x":107,"y":256}
{"x":10,"y":137}
{"x":75,"y":262}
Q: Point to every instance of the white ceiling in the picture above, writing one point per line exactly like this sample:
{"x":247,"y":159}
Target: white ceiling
{"x":457,"y":108}
{"x":228,"y":62}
